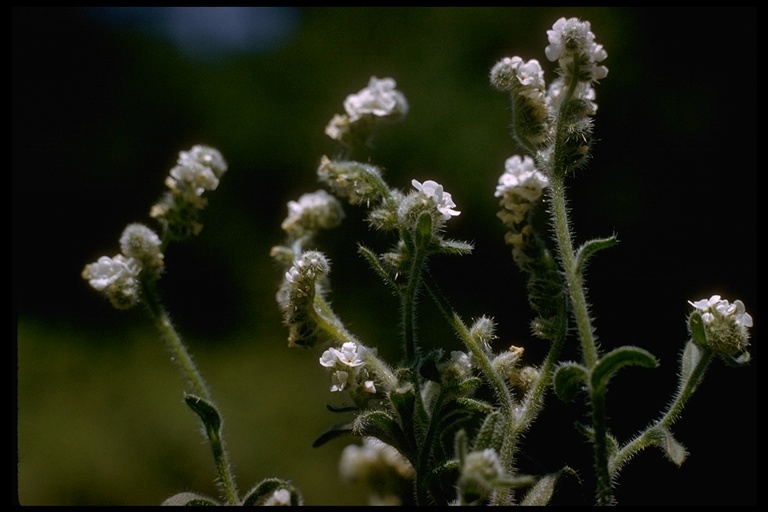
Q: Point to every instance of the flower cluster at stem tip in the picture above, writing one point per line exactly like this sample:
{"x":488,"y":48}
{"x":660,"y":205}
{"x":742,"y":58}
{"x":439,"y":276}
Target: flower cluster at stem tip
{"x":118,"y":278}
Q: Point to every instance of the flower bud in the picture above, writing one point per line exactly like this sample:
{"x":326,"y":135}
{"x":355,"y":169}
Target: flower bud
{"x":140,"y":242}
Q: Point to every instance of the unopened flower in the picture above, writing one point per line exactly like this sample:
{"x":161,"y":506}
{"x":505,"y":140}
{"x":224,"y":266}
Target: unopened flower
{"x":358,"y":182}
{"x":481,"y":471}
{"x":140,"y":242}
{"x":312,"y":212}
{"x":442,"y":199}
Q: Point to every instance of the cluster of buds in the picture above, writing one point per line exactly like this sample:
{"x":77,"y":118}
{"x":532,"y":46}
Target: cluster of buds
{"x":198,"y":170}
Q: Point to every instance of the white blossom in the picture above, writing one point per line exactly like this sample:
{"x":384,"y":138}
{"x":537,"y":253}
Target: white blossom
{"x":441,"y":198}
{"x":107,"y":271}
{"x":339,"y":380}
{"x":521,"y":178}
{"x":204,"y":155}
{"x":350,"y":354}
{"x":379,"y":99}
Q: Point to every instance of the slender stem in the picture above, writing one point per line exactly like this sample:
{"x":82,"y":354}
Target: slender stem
{"x":195,"y":379}
{"x":573,"y":277}
{"x":409,"y":305}
{"x":673,"y":412}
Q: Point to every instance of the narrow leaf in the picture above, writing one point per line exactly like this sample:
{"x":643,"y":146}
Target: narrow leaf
{"x":206,"y":410}
{"x":590,"y":248}
{"x":190,"y":499}
{"x":569,"y":379}
{"x":333,"y":432}
{"x":672,"y":448}
{"x":615,"y":359}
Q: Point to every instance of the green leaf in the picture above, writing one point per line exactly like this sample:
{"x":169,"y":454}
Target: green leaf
{"x":383,"y":427}
{"x":696,"y":326}
{"x":190,"y":499}
{"x":264,"y":489}
{"x":206,"y":410}
{"x":456,"y":247}
{"x":541,"y":493}
{"x":590,"y":248}
{"x":424,"y":232}
{"x":615,"y":359}
{"x":569,"y":379}
{"x":671,"y":447}
{"x":333,"y":432}
{"x":377,"y":267}
{"x":491,"y":433}
{"x":691,"y":357}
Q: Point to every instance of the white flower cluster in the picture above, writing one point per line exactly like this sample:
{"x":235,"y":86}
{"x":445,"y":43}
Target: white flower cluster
{"x":380,"y":101}
{"x":443,"y":200}
{"x":519,"y":187}
{"x":571,"y":38}
{"x":116,"y":278}
{"x":198,"y":170}
{"x":726,"y":325}
{"x":344,"y":360}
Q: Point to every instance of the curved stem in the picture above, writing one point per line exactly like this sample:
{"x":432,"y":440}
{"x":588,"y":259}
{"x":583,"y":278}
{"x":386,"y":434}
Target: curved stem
{"x":646,"y":438}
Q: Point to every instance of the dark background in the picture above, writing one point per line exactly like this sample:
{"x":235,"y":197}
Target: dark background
{"x":103,"y":100}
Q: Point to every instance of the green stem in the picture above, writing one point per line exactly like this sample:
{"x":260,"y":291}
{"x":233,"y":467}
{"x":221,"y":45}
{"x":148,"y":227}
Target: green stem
{"x":195,"y":379}
{"x":409,"y":305}
{"x":648,"y":436}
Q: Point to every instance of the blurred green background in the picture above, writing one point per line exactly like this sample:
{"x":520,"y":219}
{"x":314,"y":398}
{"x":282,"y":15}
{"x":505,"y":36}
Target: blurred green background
{"x":103,"y":100}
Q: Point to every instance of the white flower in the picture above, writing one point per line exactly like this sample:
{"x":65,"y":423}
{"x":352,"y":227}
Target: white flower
{"x":195,"y":175}
{"x":328,"y":359}
{"x":107,"y":271}
{"x":521,"y":178}
{"x":441,"y":198}
{"x":572,"y":36}
{"x":715,"y":307}
{"x":379,"y":99}
{"x":350,"y":354}
{"x":725,"y":326}
{"x":369,"y":386}
{"x":339,"y":380}
{"x":204,"y":155}
{"x":281,"y":497}
{"x":116,"y":278}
